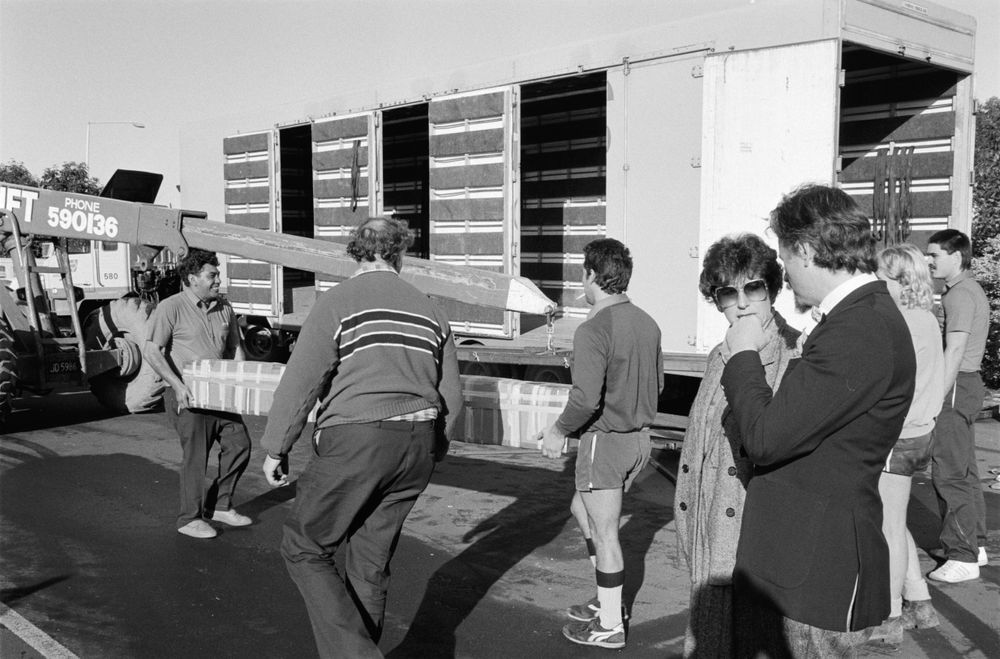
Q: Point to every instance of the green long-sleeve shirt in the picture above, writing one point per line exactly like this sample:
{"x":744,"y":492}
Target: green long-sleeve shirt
{"x":617,"y":370}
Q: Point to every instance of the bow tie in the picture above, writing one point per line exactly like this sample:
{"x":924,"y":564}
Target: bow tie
{"x":817,"y":315}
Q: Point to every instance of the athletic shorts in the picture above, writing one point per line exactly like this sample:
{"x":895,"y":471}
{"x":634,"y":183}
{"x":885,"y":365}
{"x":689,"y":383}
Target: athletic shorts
{"x":610,"y":460}
{"x":909,"y":455}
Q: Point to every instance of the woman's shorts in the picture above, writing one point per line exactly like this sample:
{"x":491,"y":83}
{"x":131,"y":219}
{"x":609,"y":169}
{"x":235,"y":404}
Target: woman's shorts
{"x":909,"y":455}
{"x":611,"y":460}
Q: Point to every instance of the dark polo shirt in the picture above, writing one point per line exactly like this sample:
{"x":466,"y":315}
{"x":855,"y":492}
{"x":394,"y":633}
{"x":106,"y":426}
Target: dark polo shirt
{"x":966,"y":309}
{"x":190,"y":329}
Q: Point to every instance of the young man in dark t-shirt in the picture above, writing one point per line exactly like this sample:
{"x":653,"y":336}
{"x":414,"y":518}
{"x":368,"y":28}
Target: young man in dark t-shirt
{"x":617,"y":378}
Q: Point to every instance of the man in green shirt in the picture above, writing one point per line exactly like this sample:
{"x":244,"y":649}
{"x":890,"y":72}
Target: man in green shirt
{"x":617,"y":379}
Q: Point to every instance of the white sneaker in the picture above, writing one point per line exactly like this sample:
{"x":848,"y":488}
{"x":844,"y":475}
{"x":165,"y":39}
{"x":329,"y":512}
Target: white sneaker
{"x":197,"y":528}
{"x":982,"y":559}
{"x":955,"y":571}
{"x":231,"y":517}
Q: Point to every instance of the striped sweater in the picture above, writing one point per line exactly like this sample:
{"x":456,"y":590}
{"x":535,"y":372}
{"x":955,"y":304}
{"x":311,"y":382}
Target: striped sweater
{"x":372,"y":348}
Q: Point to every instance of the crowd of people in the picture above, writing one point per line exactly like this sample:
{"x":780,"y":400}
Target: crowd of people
{"x":794,"y":477}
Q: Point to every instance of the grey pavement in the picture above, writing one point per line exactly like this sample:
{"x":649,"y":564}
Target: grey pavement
{"x":489,"y":558}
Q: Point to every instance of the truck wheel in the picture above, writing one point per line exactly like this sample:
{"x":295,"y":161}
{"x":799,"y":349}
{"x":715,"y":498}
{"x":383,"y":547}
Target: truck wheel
{"x":7,"y":376}
{"x":484,"y":368}
{"x":548,"y":373}
{"x":260,"y":344}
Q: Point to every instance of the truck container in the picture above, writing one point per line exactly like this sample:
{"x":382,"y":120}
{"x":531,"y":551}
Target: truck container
{"x":666,"y":137}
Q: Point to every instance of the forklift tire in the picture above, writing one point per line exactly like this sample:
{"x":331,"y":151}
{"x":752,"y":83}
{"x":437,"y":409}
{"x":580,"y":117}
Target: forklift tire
{"x":7,"y":376}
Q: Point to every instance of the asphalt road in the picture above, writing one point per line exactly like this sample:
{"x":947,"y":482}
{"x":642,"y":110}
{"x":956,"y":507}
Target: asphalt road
{"x":488,"y":560}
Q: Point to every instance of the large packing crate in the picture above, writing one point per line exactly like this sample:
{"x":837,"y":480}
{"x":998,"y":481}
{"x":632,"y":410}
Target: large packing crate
{"x":225,"y":385}
{"x":496,"y":411}
{"x":508,"y":412}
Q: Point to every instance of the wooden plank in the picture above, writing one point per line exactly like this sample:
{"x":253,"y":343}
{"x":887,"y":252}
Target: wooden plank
{"x":476,"y":106}
{"x":495,"y":290}
{"x":899,"y":129}
{"x":241,"y":170}
{"x":261,"y":195}
{"x":246,"y":143}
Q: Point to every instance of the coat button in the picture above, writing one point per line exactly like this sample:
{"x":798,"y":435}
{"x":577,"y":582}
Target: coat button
{"x":730,"y":512}
{"x":684,"y":468}
{"x":683,"y":506}
{"x":732,"y":471}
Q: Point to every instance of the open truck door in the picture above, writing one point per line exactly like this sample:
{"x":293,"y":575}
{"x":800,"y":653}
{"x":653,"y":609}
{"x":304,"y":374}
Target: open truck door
{"x":771,"y":125}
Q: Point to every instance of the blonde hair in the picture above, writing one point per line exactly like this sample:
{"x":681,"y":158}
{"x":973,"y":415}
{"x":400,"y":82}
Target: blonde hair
{"x":904,"y":263}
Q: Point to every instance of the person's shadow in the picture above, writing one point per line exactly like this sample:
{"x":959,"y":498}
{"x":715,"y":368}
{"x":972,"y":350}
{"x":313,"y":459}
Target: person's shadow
{"x":537,"y":516}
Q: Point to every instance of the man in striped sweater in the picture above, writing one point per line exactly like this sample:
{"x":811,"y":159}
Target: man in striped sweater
{"x":379,"y":357}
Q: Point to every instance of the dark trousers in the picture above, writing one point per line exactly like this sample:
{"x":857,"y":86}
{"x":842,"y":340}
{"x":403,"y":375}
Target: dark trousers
{"x":358,"y":489}
{"x":954,"y":471}
{"x":198,"y":431}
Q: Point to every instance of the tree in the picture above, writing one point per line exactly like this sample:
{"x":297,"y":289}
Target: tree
{"x":14,"y":171}
{"x":70,"y":177}
{"x":986,"y":228}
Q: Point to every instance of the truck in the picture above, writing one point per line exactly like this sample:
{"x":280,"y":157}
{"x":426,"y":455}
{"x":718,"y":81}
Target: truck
{"x":38,"y":354}
{"x":666,"y":137}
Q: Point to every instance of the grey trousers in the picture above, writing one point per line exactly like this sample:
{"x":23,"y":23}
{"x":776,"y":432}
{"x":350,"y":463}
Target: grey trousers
{"x":954,"y":472}
{"x":198,"y":431}
{"x":357,"y":490}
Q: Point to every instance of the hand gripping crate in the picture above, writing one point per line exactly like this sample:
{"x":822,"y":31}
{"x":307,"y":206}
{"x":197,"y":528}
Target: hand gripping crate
{"x":508,"y":412}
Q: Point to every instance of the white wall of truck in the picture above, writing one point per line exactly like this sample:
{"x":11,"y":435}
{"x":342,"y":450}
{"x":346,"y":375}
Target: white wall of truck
{"x":710,"y":118}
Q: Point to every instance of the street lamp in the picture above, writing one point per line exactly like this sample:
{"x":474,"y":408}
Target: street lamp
{"x":134,"y":124}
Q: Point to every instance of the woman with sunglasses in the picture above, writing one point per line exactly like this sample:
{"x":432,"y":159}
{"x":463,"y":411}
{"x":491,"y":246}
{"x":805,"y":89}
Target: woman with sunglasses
{"x":741,"y":276}
{"x":905,"y":272}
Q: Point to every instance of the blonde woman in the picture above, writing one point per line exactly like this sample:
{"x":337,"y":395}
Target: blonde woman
{"x":905,"y":272}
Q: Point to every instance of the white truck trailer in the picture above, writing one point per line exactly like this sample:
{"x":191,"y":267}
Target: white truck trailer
{"x":666,"y":137}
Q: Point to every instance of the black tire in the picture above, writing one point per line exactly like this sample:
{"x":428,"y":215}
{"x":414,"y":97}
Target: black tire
{"x":548,"y":373}
{"x":260,"y":344}
{"x":8,"y":378}
{"x":484,"y":368}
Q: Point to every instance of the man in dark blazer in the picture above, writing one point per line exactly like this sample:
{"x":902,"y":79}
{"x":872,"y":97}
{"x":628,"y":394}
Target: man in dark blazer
{"x":812,"y":564}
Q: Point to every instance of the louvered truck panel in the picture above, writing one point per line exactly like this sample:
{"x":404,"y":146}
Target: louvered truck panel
{"x":472,"y":196}
{"x":343,"y":187}
{"x":898,"y":143}
{"x":249,"y":198}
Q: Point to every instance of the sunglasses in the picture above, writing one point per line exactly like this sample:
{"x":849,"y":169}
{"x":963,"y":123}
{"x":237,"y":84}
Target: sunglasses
{"x":755,"y":290}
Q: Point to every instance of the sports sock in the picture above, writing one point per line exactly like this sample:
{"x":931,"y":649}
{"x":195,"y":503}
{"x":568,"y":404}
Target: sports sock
{"x":609,"y":592}
{"x":591,"y":551}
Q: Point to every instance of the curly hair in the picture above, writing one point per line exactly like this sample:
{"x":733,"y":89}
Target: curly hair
{"x":193,"y":262}
{"x":611,"y":261}
{"x":740,"y":255}
{"x":380,"y":237}
{"x":829,"y":220}
{"x":952,"y":240}
{"x":904,"y":263}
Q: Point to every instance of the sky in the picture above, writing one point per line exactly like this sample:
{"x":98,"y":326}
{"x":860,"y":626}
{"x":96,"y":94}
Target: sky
{"x":166,"y":64}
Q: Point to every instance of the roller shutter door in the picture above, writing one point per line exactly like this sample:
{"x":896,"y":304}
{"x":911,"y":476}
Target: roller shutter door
{"x":249,"y":200}
{"x":343,"y":181}
{"x":472,"y":196}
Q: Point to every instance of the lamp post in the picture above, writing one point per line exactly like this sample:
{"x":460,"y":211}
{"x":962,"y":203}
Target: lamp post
{"x":134,"y":124}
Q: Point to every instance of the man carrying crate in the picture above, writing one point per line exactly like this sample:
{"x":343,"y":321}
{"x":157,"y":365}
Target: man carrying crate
{"x":617,"y":379}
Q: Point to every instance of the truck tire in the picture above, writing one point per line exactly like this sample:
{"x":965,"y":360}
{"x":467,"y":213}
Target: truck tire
{"x":7,"y":375}
{"x":260,"y":344}
{"x":548,"y":373}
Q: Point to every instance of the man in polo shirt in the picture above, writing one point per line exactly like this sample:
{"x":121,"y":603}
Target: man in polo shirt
{"x":617,"y":379}
{"x":197,"y":324}
{"x":953,"y":450}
